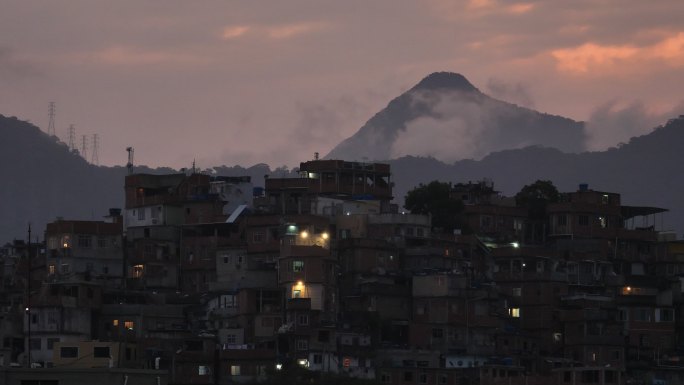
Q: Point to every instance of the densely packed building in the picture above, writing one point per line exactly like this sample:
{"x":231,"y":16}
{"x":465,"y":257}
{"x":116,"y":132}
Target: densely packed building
{"x":209,"y":280}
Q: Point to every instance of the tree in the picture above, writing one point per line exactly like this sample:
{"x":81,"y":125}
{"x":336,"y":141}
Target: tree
{"x":435,"y":199}
{"x":539,"y":192}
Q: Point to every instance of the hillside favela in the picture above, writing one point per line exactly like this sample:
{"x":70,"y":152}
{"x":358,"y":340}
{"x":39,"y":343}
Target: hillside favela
{"x":344,"y":271}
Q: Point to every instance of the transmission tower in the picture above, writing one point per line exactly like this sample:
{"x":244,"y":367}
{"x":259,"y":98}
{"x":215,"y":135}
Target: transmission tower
{"x":51,"y":122}
{"x":93,"y":154}
{"x":72,"y":138}
{"x":84,"y":147}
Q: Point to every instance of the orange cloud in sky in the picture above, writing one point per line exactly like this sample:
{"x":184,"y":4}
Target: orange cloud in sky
{"x":234,"y":32}
{"x":293,"y":30}
{"x":591,"y":57}
{"x":520,"y":8}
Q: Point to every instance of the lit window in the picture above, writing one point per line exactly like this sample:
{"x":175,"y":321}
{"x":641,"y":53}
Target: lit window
{"x":235,"y":370}
{"x":51,"y":269}
{"x":297,"y":266}
{"x":129,"y":325}
{"x":296,"y":293}
{"x":138,"y":271}
{"x":115,"y":322}
{"x":515,"y":312}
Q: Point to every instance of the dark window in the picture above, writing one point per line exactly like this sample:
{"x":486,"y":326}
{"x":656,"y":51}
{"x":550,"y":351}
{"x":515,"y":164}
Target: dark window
{"x":101,"y":352}
{"x":437,"y":333}
{"x":51,"y":343}
{"x":583,"y":220}
{"x":68,"y":351}
{"x":408,"y":376}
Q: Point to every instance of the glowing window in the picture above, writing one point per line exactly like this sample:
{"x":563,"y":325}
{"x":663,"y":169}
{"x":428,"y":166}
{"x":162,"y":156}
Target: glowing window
{"x":515,"y":312}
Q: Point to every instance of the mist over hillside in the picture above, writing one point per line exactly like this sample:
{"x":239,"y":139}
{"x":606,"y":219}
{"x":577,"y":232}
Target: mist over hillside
{"x":645,"y":171}
{"x":44,"y":180}
{"x":444,"y":116}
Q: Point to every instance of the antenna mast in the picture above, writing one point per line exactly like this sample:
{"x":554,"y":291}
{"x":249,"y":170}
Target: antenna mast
{"x":72,"y":138}
{"x":129,"y":165}
{"x":94,"y":153}
{"x":51,"y":122}
{"x":84,"y":147}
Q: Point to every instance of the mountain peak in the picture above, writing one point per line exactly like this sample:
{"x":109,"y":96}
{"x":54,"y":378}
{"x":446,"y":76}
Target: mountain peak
{"x":445,"y":80}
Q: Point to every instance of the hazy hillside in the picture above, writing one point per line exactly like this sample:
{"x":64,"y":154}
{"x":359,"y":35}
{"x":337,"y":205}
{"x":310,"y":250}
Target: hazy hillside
{"x":645,"y":171}
{"x":446,"y":117}
{"x":42,"y":180}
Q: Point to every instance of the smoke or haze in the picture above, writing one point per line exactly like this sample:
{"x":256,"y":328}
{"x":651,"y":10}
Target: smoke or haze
{"x":614,"y":123}
{"x":516,"y":93}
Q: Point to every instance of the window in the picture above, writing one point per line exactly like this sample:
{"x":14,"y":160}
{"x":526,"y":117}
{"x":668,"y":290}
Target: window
{"x":423,"y":378}
{"x":302,"y":344}
{"x":517,"y":291}
{"x":129,"y":325}
{"x":437,"y":333}
{"x":385,"y":378}
{"x":258,"y":237}
{"x":562,"y":220}
{"x":317,"y":359}
{"x":203,"y":370}
{"x":85,"y":241}
{"x":603,"y":222}
{"x":408,"y":376}
{"x":65,"y":268}
{"x":420,"y":232}
{"x":235,"y":370}
{"x":141,"y":214}
{"x":665,"y":315}
{"x":583,"y":220}
{"x":89,"y":266}
{"x":105,"y":269}
{"x":297,"y":266}
{"x":138,"y":271}
{"x":51,"y":269}
{"x":68,"y":352}
{"x":296,"y":293}
{"x":35,"y":344}
{"x":226,"y":259}
{"x":514,"y":312}
{"x":51,"y":343}
{"x":231,"y":339}
{"x":643,"y":315}
{"x":101,"y":242}
{"x":101,"y":351}
{"x":115,"y":322}
{"x":303,"y":319}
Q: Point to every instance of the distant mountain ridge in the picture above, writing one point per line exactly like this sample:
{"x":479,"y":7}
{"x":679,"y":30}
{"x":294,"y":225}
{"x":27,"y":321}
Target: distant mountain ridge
{"x":42,"y":179}
{"x":465,"y":122}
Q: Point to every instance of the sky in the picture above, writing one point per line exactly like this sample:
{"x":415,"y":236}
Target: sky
{"x":245,"y":82}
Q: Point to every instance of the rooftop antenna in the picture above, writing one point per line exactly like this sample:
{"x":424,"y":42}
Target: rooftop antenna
{"x":84,"y":147}
{"x":129,"y":165}
{"x":94,"y":157}
{"x":315,"y":155}
{"x":194,"y":170}
{"x":72,"y":138}
{"x":51,"y":122}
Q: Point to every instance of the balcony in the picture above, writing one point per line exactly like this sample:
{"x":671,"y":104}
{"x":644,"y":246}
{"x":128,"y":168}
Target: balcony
{"x":298,"y":304}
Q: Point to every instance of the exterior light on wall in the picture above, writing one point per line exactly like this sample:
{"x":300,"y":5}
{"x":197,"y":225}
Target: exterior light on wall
{"x":324,"y":235}
{"x":304,"y":234}
{"x":515,"y":245}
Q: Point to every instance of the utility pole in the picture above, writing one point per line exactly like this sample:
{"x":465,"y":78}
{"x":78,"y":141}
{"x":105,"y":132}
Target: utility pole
{"x":129,"y":165}
{"x":28,"y":296}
